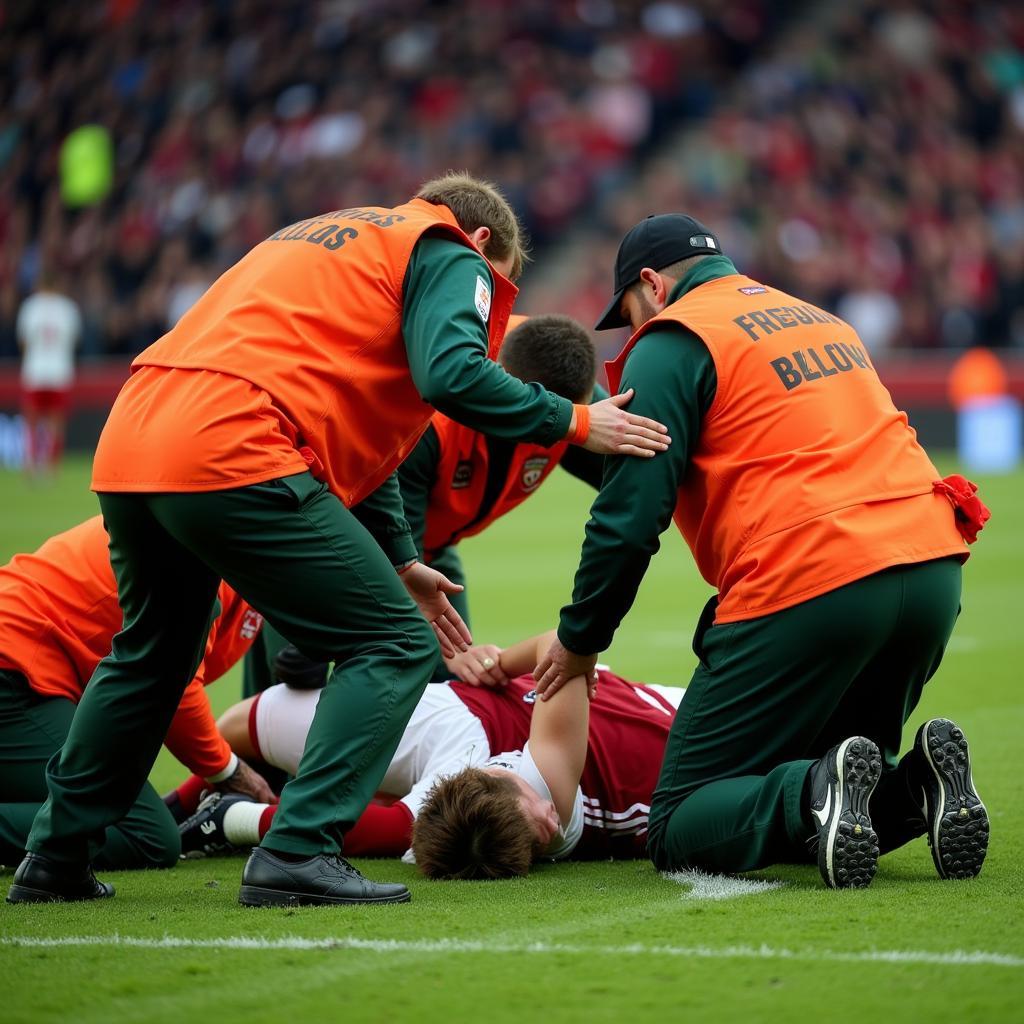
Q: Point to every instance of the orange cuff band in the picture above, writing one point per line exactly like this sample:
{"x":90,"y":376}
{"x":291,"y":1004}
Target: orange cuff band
{"x":581,"y":431}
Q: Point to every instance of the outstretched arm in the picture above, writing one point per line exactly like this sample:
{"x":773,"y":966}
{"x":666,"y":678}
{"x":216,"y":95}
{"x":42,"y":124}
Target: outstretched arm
{"x":558,"y":727}
{"x":520,"y":658}
{"x":446,"y":343}
{"x":675,"y":380}
{"x":558,"y":742}
{"x":489,"y":665}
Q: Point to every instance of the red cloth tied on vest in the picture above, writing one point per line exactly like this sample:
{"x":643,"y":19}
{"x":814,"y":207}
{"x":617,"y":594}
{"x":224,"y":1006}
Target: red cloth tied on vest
{"x":970,"y":512}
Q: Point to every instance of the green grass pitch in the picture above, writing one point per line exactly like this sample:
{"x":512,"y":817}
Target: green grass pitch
{"x":587,"y":942}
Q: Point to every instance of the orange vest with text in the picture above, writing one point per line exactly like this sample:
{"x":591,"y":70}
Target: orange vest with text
{"x":805,"y":476}
{"x":313,"y":317}
{"x":453,"y":509}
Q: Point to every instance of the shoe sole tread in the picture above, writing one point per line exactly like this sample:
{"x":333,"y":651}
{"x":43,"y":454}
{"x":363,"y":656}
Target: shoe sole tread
{"x":958,"y":831}
{"x":848,"y":856}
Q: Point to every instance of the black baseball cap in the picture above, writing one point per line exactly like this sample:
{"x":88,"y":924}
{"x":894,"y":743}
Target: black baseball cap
{"x":659,"y":241}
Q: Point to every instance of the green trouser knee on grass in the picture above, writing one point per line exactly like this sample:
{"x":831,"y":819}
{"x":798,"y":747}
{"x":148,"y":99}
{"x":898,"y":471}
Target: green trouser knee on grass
{"x":771,"y":695}
{"x":447,"y":561}
{"x":298,"y":556}
{"x":32,"y":728}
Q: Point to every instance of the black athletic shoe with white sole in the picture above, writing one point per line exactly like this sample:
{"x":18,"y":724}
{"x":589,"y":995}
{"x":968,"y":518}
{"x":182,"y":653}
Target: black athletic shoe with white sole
{"x":326,"y":879}
{"x":958,"y":825}
{"x":202,"y":835}
{"x":841,"y":786}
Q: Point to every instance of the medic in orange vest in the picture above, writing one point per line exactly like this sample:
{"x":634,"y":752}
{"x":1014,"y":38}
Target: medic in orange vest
{"x":458,"y":481}
{"x":835,"y":551}
{"x":58,"y":615}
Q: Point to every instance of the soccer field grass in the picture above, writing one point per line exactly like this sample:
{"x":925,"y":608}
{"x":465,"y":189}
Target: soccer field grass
{"x":573,"y":941}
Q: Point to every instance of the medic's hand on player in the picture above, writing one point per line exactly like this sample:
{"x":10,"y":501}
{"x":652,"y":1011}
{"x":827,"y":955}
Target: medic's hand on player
{"x":248,"y":782}
{"x":428,"y":588}
{"x":613,"y":431}
{"x":479,"y":666}
{"x":559,"y":665}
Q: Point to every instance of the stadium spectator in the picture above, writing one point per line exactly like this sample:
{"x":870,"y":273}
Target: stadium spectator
{"x":873,"y":161}
{"x":883,"y":139}
{"x":228,"y":120}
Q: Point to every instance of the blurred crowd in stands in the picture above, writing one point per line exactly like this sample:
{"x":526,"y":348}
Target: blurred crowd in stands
{"x":875,"y":166}
{"x":226,"y":120}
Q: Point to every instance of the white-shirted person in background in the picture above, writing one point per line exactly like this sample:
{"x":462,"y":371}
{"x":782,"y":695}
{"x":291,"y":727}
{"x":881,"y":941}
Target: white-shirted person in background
{"x":49,"y":326}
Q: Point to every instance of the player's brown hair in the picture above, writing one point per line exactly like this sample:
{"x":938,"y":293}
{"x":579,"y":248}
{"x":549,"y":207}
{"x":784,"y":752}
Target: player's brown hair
{"x":552,"y":350}
{"x":478,"y":203}
{"x":472,"y":826}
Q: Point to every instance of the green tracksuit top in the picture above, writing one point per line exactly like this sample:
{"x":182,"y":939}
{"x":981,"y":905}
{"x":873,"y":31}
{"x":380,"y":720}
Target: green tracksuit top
{"x":638,"y":496}
{"x":441,"y":326}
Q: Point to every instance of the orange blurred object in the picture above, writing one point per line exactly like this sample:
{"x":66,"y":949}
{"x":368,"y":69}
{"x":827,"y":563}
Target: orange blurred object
{"x":978,"y":373}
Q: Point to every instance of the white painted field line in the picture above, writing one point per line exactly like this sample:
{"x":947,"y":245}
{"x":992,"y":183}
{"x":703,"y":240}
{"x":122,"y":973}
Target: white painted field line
{"x":719,"y":887}
{"x":953,"y":958}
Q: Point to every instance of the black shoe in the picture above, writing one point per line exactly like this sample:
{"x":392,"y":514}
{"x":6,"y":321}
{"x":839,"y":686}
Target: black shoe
{"x":269,"y":881}
{"x":41,"y":880}
{"x":841,"y":786}
{"x":958,"y":825}
{"x":202,"y":835}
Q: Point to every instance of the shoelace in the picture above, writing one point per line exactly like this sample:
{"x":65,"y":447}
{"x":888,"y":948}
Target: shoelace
{"x":340,"y":862}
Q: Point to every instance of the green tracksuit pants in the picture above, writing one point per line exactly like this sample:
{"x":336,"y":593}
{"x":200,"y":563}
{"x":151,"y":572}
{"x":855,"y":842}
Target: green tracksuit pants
{"x":773,"y":694}
{"x":298,"y":556}
{"x":32,"y":729}
{"x":258,"y":666}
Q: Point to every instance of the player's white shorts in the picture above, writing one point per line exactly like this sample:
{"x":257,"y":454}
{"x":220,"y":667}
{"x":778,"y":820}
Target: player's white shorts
{"x":440,"y":727}
{"x":279,"y":723}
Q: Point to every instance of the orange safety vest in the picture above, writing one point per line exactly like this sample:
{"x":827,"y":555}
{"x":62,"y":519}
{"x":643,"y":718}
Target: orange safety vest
{"x":312,"y":319}
{"x":453,"y":506}
{"x":59,"y":613}
{"x":805,"y":476}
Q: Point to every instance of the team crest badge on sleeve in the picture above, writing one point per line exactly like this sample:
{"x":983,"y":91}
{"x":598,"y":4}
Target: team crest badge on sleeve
{"x":482,"y":299}
{"x":251,"y":622}
{"x":533,"y":470}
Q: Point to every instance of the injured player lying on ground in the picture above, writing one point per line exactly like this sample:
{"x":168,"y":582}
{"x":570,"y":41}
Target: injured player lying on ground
{"x":485,"y":780}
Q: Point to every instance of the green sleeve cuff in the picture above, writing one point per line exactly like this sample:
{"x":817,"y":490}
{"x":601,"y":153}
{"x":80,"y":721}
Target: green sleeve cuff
{"x":400,"y":549}
{"x":416,"y":479}
{"x":383,"y":515}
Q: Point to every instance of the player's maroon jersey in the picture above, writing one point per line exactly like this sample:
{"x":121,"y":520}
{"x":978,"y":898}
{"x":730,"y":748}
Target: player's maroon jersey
{"x":629,"y":725}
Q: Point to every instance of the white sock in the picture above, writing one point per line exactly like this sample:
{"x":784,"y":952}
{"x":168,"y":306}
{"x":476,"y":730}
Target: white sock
{"x":242,"y":822}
